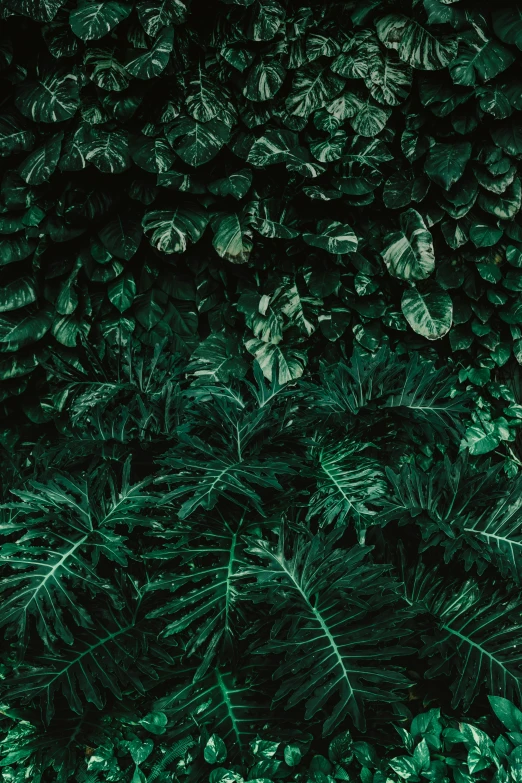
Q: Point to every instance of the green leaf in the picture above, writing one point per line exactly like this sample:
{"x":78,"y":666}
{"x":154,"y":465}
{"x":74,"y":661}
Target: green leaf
{"x":121,"y":292}
{"x":154,"y":722}
{"x":273,"y":219}
{"x":153,"y":155}
{"x":154,"y":15}
{"x":54,"y":98}
{"x":508,"y":136}
{"x":17,"y":294}
{"x":479,"y":59}
{"x":388,"y":79}
{"x":429,"y":313}
{"x":236,"y":185}
{"x":154,"y":61}
{"x":323,"y":659}
{"x":484,"y":235}
{"x":218,"y":359}
{"x":275,"y":146}
{"x":277,"y":362}
{"x":18,"y":331}
{"x":313,"y":86}
{"x":264,"y":80}
{"x":215,"y":751}
{"x":334,"y":237}
{"x":92,"y":20}
{"x":445,"y":163}
{"x":197,"y":143}
{"x":507,"y":24}
{"x":507,"y":713}
{"x":171,"y":231}
{"x":14,"y":136}
{"x":39,"y":10}
{"x":233,"y":237}
{"x":409,"y":253}
{"x":107,"y":150}
{"x":204,"y":99}
{"x":121,"y":236}
{"x":41,"y":164}
{"x":414,"y":44}
{"x":105,"y":70}
{"x":265,"y":20}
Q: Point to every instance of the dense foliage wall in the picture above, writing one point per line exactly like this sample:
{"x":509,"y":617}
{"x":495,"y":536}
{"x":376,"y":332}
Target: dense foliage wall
{"x":260,"y":336}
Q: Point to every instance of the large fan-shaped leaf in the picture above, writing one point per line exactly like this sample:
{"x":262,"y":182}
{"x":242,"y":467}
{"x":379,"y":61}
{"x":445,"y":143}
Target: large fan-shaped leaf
{"x":333,"y":627}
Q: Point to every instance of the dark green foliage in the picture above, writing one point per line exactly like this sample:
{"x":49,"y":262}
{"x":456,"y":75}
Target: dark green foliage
{"x":243,"y":556}
{"x":285,"y":178}
{"x":261,"y":332}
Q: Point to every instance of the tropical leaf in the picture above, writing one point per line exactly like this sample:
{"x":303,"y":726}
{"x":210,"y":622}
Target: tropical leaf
{"x":91,"y":20}
{"x":326,"y":637}
{"x":171,"y":231}
{"x":409,"y":253}
{"x":415,"y":44}
{"x":54,"y":98}
{"x":428,"y":312}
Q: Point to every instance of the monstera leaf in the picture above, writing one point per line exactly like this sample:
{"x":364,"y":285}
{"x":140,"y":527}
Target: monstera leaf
{"x":429,"y":312}
{"x":409,"y":253}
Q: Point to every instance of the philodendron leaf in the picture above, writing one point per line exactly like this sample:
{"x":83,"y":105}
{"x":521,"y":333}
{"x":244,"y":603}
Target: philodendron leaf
{"x":171,"y":231}
{"x":91,"y":21}
{"x":38,"y":167}
{"x":154,"y":15}
{"x":415,"y":44}
{"x":409,"y":252}
{"x":121,"y":236}
{"x":388,"y":79}
{"x":196,"y":142}
{"x":277,"y":361}
{"x":334,"y":237}
{"x":17,"y":294}
{"x":39,"y":10}
{"x":154,"y":61}
{"x":54,"y":98}
{"x":445,"y":163}
{"x":428,"y":312}
{"x":507,"y":24}
{"x":233,"y":237}
{"x":264,"y":80}
{"x":480,"y":59}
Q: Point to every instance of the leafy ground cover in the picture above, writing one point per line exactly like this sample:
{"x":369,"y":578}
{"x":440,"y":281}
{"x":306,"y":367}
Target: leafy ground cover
{"x":260,"y":326}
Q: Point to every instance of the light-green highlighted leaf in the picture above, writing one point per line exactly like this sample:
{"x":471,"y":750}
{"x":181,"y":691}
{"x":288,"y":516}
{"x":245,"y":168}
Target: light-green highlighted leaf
{"x":409,"y":253}
{"x":429,"y":313}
